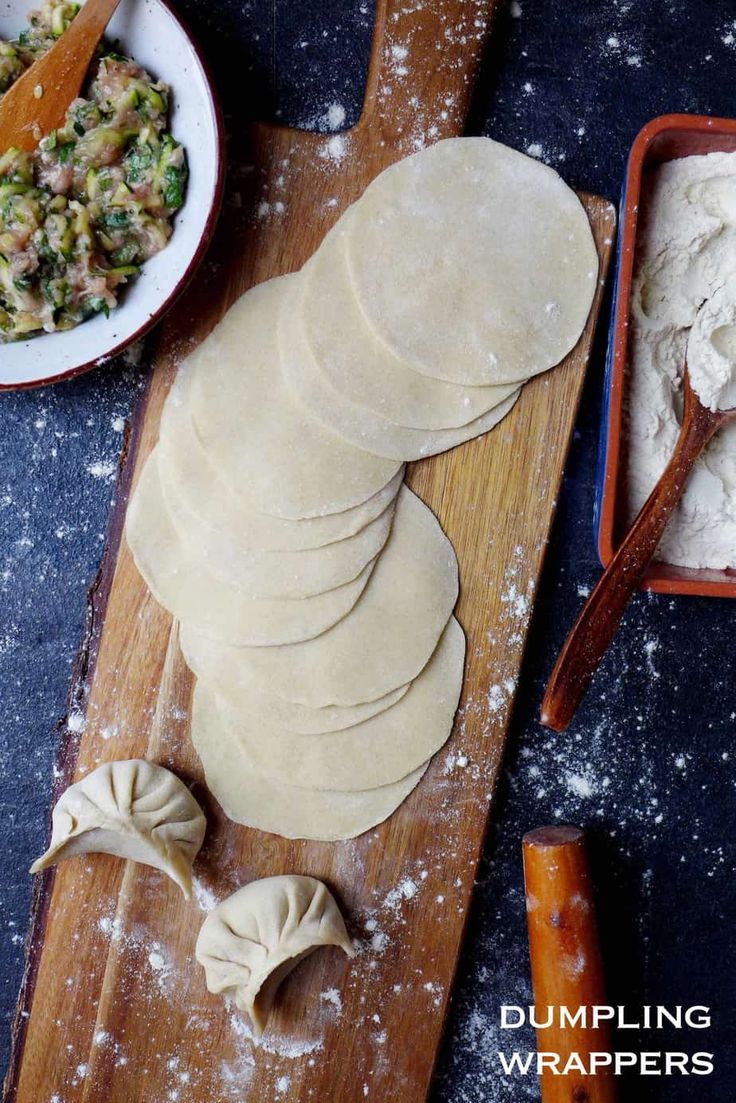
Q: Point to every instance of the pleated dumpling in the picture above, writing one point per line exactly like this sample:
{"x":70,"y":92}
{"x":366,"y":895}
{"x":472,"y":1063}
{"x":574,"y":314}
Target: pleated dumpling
{"x":134,"y":809}
{"x":250,"y":942}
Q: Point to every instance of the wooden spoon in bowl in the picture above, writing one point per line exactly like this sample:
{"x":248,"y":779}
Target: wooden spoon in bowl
{"x":596,"y":626}
{"x":37,"y":102}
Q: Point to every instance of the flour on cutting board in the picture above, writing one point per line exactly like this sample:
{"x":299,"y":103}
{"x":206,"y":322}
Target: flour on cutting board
{"x":145,"y":964}
{"x":159,"y":974}
{"x":686,"y":254}
{"x":400,"y":64}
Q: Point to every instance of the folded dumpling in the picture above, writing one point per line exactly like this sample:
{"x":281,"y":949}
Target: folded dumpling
{"x":251,"y":941}
{"x":134,"y":809}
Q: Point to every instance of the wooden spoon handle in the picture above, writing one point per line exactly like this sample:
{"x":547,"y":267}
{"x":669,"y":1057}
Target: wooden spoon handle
{"x":567,"y":970}
{"x":37,"y":102}
{"x":596,"y":626}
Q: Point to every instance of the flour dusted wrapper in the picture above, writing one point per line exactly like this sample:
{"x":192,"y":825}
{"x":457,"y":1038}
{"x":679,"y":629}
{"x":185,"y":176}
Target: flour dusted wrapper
{"x":384,"y":642}
{"x":375,"y":752}
{"x":264,"y":444}
{"x":183,"y":583}
{"x":249,"y":797}
{"x":472,"y":262}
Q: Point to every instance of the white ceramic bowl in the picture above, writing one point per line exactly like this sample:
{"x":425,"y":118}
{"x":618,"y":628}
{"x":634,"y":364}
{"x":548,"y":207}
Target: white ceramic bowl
{"x":150,"y":32}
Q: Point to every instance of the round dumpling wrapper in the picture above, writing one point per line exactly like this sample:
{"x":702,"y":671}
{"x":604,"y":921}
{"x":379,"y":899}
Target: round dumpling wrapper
{"x":348,"y":355}
{"x":182,"y":584}
{"x":361,"y":426}
{"x":384,"y":642}
{"x":264,"y":443}
{"x":273,"y":712}
{"x":192,"y":480}
{"x":473,"y":262}
{"x":378,"y":751}
{"x":278,"y":574}
{"x":267,"y":805}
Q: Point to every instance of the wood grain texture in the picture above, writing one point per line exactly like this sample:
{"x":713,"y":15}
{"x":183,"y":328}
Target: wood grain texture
{"x":567,"y":968}
{"x":114,"y":1006}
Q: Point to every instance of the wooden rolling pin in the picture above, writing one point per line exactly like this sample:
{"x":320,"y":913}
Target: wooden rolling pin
{"x":567,"y":970}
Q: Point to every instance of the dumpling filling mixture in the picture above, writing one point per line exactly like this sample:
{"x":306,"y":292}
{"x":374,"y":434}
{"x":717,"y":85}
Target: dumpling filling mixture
{"x":95,"y":200}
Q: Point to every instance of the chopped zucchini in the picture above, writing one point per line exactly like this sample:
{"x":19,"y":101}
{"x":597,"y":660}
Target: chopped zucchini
{"x":81,"y":214}
{"x":66,"y":149}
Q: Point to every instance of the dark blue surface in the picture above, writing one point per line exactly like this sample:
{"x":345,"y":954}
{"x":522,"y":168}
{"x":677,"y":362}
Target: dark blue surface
{"x":648,"y":765}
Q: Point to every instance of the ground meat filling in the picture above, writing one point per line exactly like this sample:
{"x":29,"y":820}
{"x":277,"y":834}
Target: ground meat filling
{"x":95,"y":200}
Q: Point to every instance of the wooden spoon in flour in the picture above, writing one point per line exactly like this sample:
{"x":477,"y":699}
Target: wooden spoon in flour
{"x":37,"y":102}
{"x":596,"y":626}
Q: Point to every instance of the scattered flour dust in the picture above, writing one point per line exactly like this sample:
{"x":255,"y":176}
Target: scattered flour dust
{"x":80,"y":1073}
{"x":518,"y":603}
{"x":156,"y":961}
{"x":515,"y":597}
{"x":279,"y":1045}
{"x":389,"y":910}
{"x":399,"y":56}
{"x":204,"y":895}
{"x":651,"y":647}
{"x":455,"y":762}
{"x":103,"y":469}
{"x":394,"y":899}
{"x":135,"y":940}
{"x":238,"y":1071}
{"x":579,"y":785}
{"x":335,"y":116}
{"x":335,"y":149}
{"x":111,"y":926}
{"x":332,"y":997}
{"x":76,"y":722}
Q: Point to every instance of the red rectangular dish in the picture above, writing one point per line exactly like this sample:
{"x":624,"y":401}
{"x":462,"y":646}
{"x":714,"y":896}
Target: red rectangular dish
{"x":663,"y":139}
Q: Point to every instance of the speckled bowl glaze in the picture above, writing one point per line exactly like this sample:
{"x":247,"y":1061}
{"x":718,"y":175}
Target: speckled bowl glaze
{"x":153,"y":34}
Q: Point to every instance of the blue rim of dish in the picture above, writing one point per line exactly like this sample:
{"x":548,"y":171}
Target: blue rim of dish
{"x":604,"y":432}
{"x":204,"y":241}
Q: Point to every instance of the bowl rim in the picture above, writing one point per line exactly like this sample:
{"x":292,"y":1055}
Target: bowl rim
{"x":202,"y":245}
{"x":674,"y":131}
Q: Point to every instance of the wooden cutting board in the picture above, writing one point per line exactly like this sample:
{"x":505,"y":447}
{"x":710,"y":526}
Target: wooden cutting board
{"x":114,"y":1006}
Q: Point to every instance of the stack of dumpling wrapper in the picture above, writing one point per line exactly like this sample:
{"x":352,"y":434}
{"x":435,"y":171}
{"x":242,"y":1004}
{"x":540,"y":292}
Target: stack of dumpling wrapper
{"x":314,"y":590}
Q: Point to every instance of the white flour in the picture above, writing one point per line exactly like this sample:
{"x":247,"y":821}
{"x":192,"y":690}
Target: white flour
{"x":687,"y":252}
{"x":711,"y":349}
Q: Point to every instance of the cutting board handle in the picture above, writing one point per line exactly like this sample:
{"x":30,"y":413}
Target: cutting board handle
{"x":423,"y":68}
